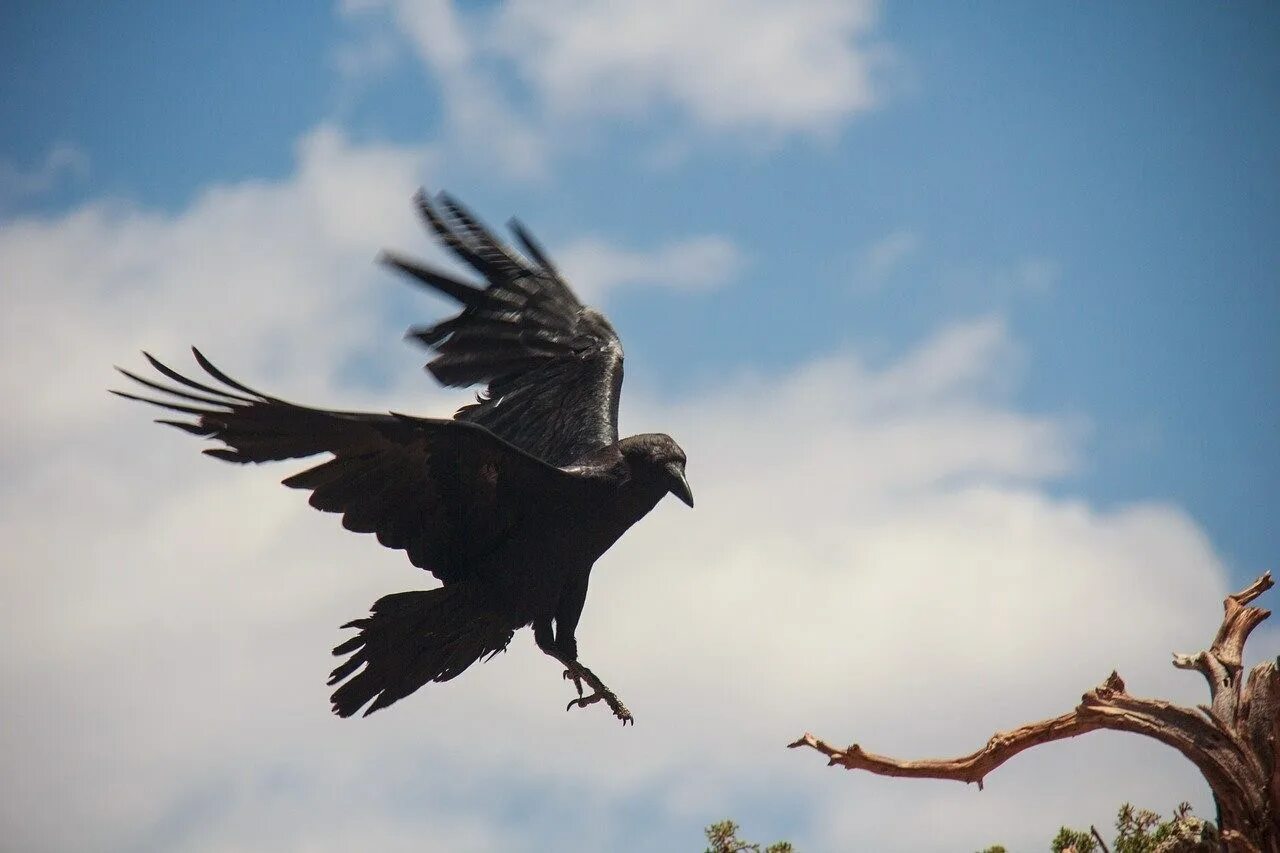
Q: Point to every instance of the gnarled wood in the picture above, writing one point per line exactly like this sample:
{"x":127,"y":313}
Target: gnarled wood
{"x":1232,"y":741}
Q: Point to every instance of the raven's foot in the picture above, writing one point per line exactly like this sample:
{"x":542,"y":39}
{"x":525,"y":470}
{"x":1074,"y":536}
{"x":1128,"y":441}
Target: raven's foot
{"x":578,"y":673}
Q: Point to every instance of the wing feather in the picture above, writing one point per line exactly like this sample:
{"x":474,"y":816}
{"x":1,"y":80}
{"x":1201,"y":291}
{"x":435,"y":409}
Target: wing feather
{"x":552,"y":366}
{"x":441,"y":490}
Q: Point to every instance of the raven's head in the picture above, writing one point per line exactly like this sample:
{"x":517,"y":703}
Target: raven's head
{"x":656,"y":456}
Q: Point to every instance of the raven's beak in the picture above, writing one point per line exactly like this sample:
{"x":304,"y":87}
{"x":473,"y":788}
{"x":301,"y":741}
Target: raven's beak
{"x":679,"y":484}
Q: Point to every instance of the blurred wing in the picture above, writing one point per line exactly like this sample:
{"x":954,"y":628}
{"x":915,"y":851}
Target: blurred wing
{"x":553,"y":366}
{"x":443,"y":491}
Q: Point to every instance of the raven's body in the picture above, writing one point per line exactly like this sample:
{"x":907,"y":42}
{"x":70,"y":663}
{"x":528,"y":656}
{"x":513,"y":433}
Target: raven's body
{"x":510,"y":504}
{"x":536,"y":573}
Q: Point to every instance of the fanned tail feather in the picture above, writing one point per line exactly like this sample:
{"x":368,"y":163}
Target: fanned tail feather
{"x":410,"y":639}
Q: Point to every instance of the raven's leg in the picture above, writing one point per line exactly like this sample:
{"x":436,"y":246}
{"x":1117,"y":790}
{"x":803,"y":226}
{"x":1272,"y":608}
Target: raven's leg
{"x":579,"y":673}
{"x":568,"y":612}
{"x":543,"y":636}
{"x":565,"y":650}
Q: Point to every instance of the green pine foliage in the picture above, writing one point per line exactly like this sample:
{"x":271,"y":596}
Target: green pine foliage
{"x":1141,"y":831}
{"x":1073,"y":840}
{"x":1137,"y":831}
{"x":723,"y":838}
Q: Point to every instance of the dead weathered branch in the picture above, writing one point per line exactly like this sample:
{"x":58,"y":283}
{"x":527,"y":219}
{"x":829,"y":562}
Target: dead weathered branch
{"x":969,"y":768}
{"x":1233,"y":741}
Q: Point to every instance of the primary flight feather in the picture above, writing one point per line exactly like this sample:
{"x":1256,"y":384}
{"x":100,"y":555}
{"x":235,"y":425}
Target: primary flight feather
{"x":509,"y":504}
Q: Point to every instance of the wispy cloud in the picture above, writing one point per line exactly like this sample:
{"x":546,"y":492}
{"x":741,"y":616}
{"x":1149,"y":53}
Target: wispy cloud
{"x":62,"y":162}
{"x":786,"y":68}
{"x":987,"y":283}
{"x":999,"y":283}
{"x":368,"y":56}
{"x":528,"y":78}
{"x":478,"y":114}
{"x":596,"y":267}
{"x":1035,"y":275}
{"x":257,"y":269}
{"x":880,"y":260}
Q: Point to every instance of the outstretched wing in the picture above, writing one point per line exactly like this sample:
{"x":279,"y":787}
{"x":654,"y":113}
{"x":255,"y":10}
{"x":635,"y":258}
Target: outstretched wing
{"x":443,"y":491}
{"x":553,"y":366}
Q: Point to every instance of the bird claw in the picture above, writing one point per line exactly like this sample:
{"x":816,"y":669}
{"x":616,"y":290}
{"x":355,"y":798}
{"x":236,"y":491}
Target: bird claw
{"x":583,"y":701}
{"x":578,"y":673}
{"x":570,"y":675}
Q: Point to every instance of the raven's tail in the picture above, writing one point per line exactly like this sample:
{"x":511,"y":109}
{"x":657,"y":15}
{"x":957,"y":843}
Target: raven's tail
{"x":411,"y":638}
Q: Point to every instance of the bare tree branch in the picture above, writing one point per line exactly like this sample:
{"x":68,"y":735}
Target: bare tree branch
{"x":1233,"y":741}
{"x":971,"y":768}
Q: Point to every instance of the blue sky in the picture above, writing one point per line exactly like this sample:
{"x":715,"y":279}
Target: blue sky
{"x":1132,"y":150}
{"x":1064,"y":217}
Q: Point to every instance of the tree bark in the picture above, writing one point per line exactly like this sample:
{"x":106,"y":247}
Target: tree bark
{"x":1232,"y":741}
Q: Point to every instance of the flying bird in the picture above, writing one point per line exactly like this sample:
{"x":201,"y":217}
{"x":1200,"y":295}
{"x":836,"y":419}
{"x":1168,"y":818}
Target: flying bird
{"x":509,"y":503}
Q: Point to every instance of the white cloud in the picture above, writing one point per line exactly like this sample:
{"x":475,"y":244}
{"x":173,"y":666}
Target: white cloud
{"x":876,"y":554}
{"x":957,"y":363}
{"x":62,"y":161}
{"x":1037,"y":275}
{"x":999,"y":283}
{"x":884,"y":257}
{"x":367,"y":57}
{"x":757,"y":65}
{"x":883,"y":261}
{"x":436,"y":33}
{"x":596,"y":267}
{"x":478,"y":117}
{"x":255,"y":270}
{"x":522,"y":79}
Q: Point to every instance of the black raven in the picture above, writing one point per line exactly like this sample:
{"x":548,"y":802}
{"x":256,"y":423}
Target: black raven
{"x":508,"y":504}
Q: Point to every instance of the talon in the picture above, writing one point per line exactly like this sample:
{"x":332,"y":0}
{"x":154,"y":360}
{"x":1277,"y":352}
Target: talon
{"x":584,"y":701}
{"x":570,"y":675}
{"x":578,"y":673}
